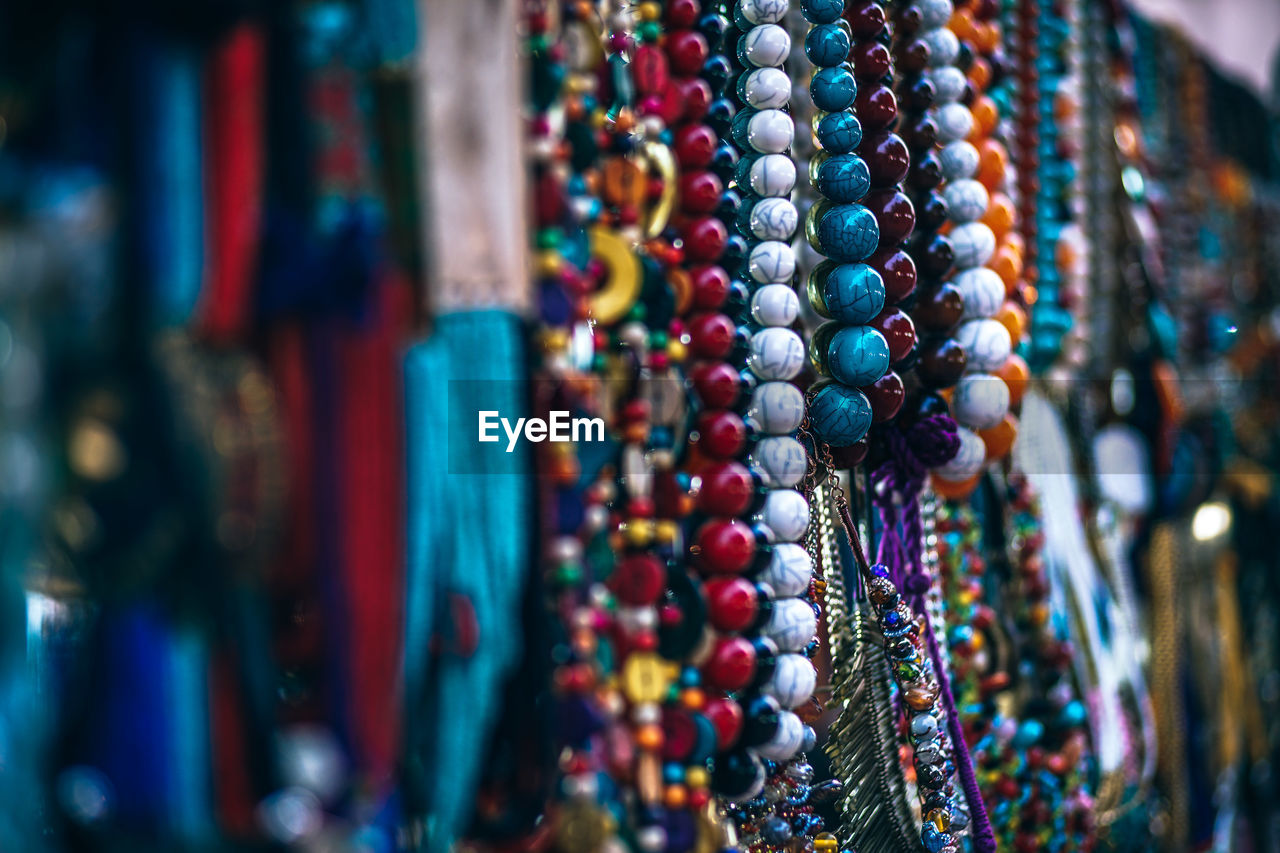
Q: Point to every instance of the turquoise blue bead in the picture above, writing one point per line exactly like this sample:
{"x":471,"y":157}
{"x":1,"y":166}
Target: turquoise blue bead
{"x":848,"y":233}
{"x":821,"y":11}
{"x":840,"y":415}
{"x":826,"y":45}
{"x":742,"y":169}
{"x":839,"y":133}
{"x":1074,"y":714}
{"x":854,"y":293}
{"x":738,"y":127}
{"x":1028,"y":734}
{"x":858,"y":355}
{"x":844,"y":178}
{"x":833,"y":89}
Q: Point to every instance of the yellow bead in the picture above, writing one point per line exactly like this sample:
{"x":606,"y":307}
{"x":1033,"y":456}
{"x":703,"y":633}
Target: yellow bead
{"x":549,"y":264}
{"x":650,"y":11}
{"x":555,"y":340}
{"x":639,"y":531}
{"x":677,"y":352}
{"x":697,"y":777}
{"x":665,"y":531}
{"x":825,"y":842}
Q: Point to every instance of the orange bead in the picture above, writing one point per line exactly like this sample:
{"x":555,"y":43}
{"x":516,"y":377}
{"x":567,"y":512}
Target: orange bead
{"x":1065,"y":255}
{"x":1008,"y":265}
{"x":980,"y":74}
{"x":1030,"y":295}
{"x":675,"y":796}
{"x":962,"y":24}
{"x":1014,"y":242}
{"x":1013,"y":318}
{"x":1000,"y":215}
{"x":999,"y":439}
{"x":986,"y":36}
{"x":649,"y":738}
{"x":993,"y":159}
{"x":1015,"y":374}
{"x":955,"y":491}
{"x":985,"y":116}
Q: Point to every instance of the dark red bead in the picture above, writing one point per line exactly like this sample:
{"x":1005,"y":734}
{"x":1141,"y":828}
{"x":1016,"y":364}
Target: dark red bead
{"x":848,"y":457}
{"x":876,"y":107}
{"x":725,"y":715}
{"x":682,"y":14}
{"x":704,"y":239}
{"x":722,"y":435}
{"x":717,"y":384}
{"x":886,"y":157}
{"x":871,"y":60}
{"x":909,"y":19}
{"x":695,"y":94}
{"x":731,"y":602}
{"x":687,"y":50}
{"x":939,"y":308}
{"x":932,"y":212}
{"x":700,"y":192}
{"x":710,"y":287}
{"x":731,"y":665}
{"x":935,"y":257}
{"x":867,"y":21}
{"x":727,"y":489}
{"x":920,"y":94}
{"x":725,"y":546}
{"x":941,"y":363}
{"x":894,"y":214}
{"x":913,"y":57}
{"x":695,"y":145}
{"x":898,"y":331}
{"x":886,"y":396}
{"x":649,"y":70}
{"x":639,"y":579}
{"x":711,"y":335}
{"x":679,"y":734}
{"x":898,"y":271}
{"x":926,"y":171}
{"x":922,"y":135}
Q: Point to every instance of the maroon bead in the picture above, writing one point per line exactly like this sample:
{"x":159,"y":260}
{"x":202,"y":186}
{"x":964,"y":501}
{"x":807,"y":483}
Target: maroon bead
{"x":913,"y":57}
{"x":682,"y":14}
{"x":886,"y":157}
{"x":722,"y":435}
{"x":935,"y":258}
{"x":695,"y":93}
{"x":725,"y":715}
{"x":871,"y":60}
{"x":717,"y":384}
{"x":932,"y":212}
{"x":920,"y":94}
{"x":700,"y":192}
{"x":687,"y":50}
{"x":898,"y":272}
{"x":639,"y":579}
{"x":549,"y":200}
{"x":711,"y":335}
{"x":909,"y":19}
{"x":731,"y":665}
{"x":704,"y":239}
{"x":941,"y":363}
{"x":725,"y":546}
{"x":898,"y":331}
{"x":894,"y":214}
{"x":679,"y":734}
{"x":727,"y":489}
{"x":926,"y":171}
{"x":731,"y":602}
{"x":848,"y":457}
{"x":940,"y":308}
{"x":886,"y":396}
{"x":922,"y":135}
{"x":695,"y":145}
{"x":710,"y":287}
{"x":867,"y":21}
{"x":876,"y":107}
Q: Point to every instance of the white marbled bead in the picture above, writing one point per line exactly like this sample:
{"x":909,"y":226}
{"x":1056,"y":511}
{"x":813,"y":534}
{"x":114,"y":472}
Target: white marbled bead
{"x":943,"y":46}
{"x":966,"y":200}
{"x":781,"y":461}
{"x":968,"y":460}
{"x":774,"y":175}
{"x":777,"y":218}
{"x":955,"y":122}
{"x":789,"y":571}
{"x":786,"y":513}
{"x":776,"y":408}
{"x":982,"y":290}
{"x":959,"y":160}
{"x":786,"y":742}
{"x":793,"y":681}
{"x":980,"y":401}
{"x":935,"y":13}
{"x":986,"y":345}
{"x":775,"y":305}
{"x":776,"y":354}
{"x":766,"y":46}
{"x":772,"y":262}
{"x":767,"y":88}
{"x":764,"y":11}
{"x":948,"y":84}
{"x":792,"y":624}
{"x":974,"y":244}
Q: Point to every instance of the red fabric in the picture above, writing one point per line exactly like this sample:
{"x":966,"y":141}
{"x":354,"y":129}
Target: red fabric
{"x":372,"y":472}
{"x":235,"y":85}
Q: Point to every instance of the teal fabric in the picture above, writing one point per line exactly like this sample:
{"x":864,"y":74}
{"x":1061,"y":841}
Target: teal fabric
{"x":468,"y":538}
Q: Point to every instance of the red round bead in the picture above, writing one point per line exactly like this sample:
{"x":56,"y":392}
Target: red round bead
{"x":731,"y":602}
{"x":731,"y":665}
{"x":725,"y":715}
{"x":722,"y":435}
{"x":649,"y":70}
{"x":725,"y":546}
{"x":696,"y":94}
{"x":871,"y":60}
{"x":727,"y":489}
{"x":711,"y":335}
{"x":898,"y":271}
{"x":638,"y":579}
{"x":687,"y":51}
{"x":682,"y":14}
{"x":700,"y":192}
{"x":886,"y":157}
{"x":848,"y":457}
{"x":679,"y":734}
{"x":894,"y":214}
{"x":866,"y":21}
{"x":898,"y":330}
{"x":704,"y":239}
{"x":886,"y":396}
{"x":695,"y":145}
{"x":710,"y":287}
{"x":717,"y":384}
{"x":876,"y":107}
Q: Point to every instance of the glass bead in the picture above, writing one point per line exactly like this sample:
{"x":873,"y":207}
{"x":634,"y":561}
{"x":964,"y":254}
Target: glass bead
{"x":843,"y":178}
{"x":775,"y":305}
{"x":986,"y":344}
{"x":840,"y":415}
{"x":780,"y":459}
{"x":966,"y":199}
{"x":821,"y":11}
{"x":827,"y":45}
{"x":764,"y":46}
{"x":763,"y":11}
{"x":773,"y":175}
{"x":786,"y":513}
{"x":772,"y":262}
{"x":769,"y":132}
{"x":853,"y":293}
{"x":833,"y":89}
{"x":789,"y":570}
{"x":765,"y":88}
{"x":857,"y":355}
{"x":774,"y":219}
{"x":776,"y":354}
{"x":792,"y":624}
{"x":980,"y":401}
{"x":847,"y":233}
{"x":839,"y":132}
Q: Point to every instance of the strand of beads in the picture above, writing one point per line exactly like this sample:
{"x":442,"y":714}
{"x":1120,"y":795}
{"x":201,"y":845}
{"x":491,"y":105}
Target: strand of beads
{"x":846,"y":351}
